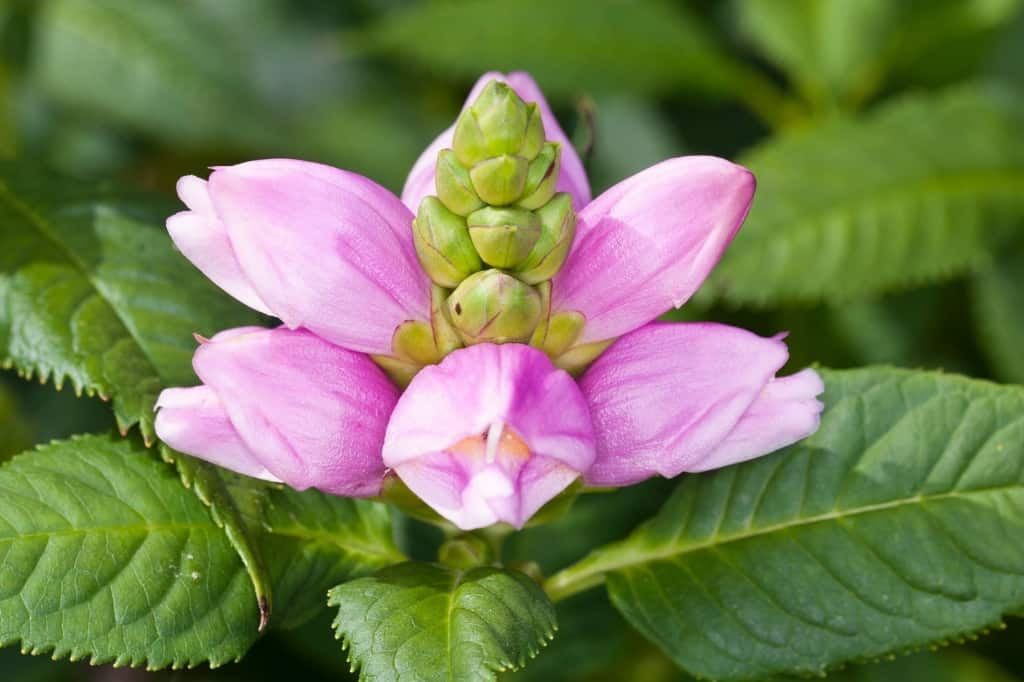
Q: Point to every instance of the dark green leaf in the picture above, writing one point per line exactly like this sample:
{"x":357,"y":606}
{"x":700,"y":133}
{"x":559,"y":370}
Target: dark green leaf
{"x":422,"y":622}
{"x":922,"y":189}
{"x":90,"y":292}
{"x":899,"y":524}
{"x":15,"y":435}
{"x":106,"y":556}
{"x":999,"y":312}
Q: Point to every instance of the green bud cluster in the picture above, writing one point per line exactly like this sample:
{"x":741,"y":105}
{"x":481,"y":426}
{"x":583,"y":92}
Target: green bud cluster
{"x":496,"y":231}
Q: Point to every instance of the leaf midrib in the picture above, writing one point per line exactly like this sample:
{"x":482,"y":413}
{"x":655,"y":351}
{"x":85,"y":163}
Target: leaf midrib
{"x":592,"y":571}
{"x":128,"y":529}
{"x":42,"y":228}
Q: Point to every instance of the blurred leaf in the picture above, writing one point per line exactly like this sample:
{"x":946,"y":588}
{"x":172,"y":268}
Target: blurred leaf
{"x":944,"y":666}
{"x":900,"y":520}
{"x":592,"y":637}
{"x":15,"y":434}
{"x":108,"y":557}
{"x":568,"y":46}
{"x":184,"y":73}
{"x":17,"y":667}
{"x":152,"y":65}
{"x":999,"y":315}
{"x":594,"y":519}
{"x":922,"y":189}
{"x":837,"y":50}
{"x":425,"y":622}
{"x":630,"y":136}
{"x":91,"y":293}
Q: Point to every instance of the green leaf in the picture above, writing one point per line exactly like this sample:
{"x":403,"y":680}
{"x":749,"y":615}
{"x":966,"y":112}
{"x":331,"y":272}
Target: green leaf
{"x":922,"y":189}
{"x":952,"y":666}
{"x":844,"y":50}
{"x":313,"y":541}
{"x":899,"y":524}
{"x":90,"y":292}
{"x":423,"y":622}
{"x":295,"y":545}
{"x":649,"y":46}
{"x":106,"y":556}
{"x":1000,"y":317}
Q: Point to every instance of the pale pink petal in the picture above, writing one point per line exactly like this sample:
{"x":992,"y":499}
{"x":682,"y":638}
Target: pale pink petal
{"x":572,"y":177}
{"x":202,"y":238}
{"x":312,"y":413}
{"x":665,"y":398}
{"x":446,"y":436}
{"x":193,"y":421}
{"x":649,"y":242}
{"x":784,"y":412}
{"x":326,"y":249}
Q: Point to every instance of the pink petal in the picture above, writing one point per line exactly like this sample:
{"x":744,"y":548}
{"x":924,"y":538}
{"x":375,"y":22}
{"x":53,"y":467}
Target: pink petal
{"x":325,"y":249}
{"x":193,"y":421}
{"x":649,"y":242}
{"x":313,"y":414}
{"x":669,"y":398}
{"x":201,"y":237}
{"x":784,"y":412}
{"x":572,"y":178}
{"x":482,"y":392}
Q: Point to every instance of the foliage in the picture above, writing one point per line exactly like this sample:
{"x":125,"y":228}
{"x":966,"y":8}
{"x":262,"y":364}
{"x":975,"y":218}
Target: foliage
{"x":886,"y":230}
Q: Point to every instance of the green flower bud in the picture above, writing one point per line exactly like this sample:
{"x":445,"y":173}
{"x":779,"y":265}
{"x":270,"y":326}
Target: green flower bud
{"x":498,"y":122}
{"x":494,"y":307}
{"x":534,"y":139}
{"x":443,"y":244}
{"x":542,"y":177}
{"x":454,"y":187}
{"x":558,"y":227}
{"x":504,"y":236}
{"x":500,"y":180}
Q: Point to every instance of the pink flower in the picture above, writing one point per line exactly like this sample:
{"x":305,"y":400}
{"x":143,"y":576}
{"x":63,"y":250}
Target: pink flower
{"x":494,"y":431}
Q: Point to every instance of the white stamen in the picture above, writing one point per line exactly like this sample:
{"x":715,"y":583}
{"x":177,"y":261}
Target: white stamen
{"x":494,"y":440}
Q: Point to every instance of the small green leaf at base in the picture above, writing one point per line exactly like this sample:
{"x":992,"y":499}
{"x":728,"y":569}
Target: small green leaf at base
{"x":898,"y":525}
{"x":420,"y":622}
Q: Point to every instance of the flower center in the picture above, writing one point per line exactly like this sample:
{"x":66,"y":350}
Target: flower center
{"x":499,"y":442}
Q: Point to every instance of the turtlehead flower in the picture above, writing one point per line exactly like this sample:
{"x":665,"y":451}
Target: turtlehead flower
{"x":488,"y":337}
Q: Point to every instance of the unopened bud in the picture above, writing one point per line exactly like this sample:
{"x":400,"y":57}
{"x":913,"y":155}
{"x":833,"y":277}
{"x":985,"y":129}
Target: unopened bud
{"x":443,"y":244}
{"x":542,"y":177}
{"x":500,"y":180}
{"x":454,"y":187}
{"x":498,"y":122}
{"x":494,"y":307}
{"x":504,"y":237}
{"x":558,"y":227}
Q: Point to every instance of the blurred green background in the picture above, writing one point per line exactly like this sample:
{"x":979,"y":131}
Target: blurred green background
{"x":140,"y":92}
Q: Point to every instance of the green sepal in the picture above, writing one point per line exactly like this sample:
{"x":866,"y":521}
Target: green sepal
{"x":541,"y":177}
{"x":454,"y":186}
{"x":443,"y":245}
{"x":561,"y":332}
{"x":500,"y":180}
{"x":557,"y":231}
{"x":577,"y":359}
{"x":400,"y":372}
{"x":466,"y":551}
{"x":494,"y":307}
{"x":504,"y":237}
